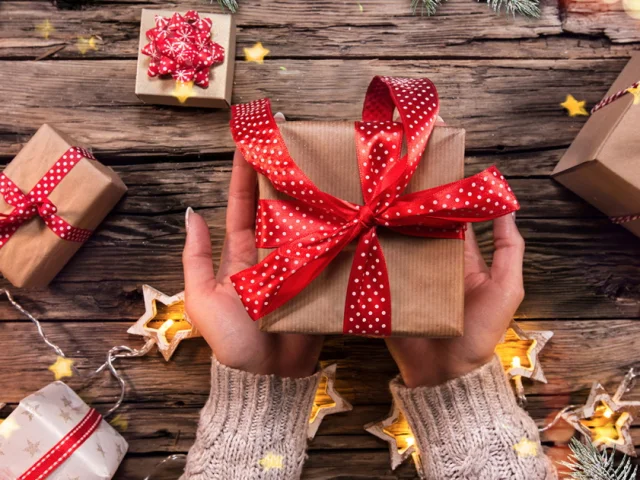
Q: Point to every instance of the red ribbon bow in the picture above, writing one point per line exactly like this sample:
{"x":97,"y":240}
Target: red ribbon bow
{"x":181,"y":46}
{"x":36,"y":202}
{"x":308,"y":231}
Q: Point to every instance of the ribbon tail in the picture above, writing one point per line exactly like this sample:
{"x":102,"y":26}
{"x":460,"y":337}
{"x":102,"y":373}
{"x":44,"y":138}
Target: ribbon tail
{"x":367,"y":308}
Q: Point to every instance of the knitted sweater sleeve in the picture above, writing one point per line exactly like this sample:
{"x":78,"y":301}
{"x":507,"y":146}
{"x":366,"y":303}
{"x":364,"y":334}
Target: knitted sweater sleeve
{"x":472,"y":428}
{"x":252,"y":427}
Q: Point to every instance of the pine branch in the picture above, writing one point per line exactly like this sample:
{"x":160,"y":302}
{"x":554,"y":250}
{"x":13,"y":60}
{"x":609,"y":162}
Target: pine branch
{"x":427,"y":7}
{"x":528,"y":8}
{"x":586,"y":463}
{"x":230,"y":4}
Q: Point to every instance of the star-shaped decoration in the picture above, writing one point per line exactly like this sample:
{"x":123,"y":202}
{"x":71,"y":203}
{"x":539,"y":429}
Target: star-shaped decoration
{"x":574,"y":107}
{"x":86,"y":44}
{"x":606,"y":420}
{"x":165,"y":321}
{"x":62,"y":368}
{"x":395,"y":430}
{"x":66,"y":402}
{"x":256,"y":53}
{"x":120,"y":450}
{"x":32,"y":448}
{"x":327,"y":400}
{"x":8,"y":427}
{"x":101,"y":451}
{"x":271,"y":461}
{"x":45,"y":29}
{"x":30,"y":410}
{"x":635,"y":91}
{"x":64,"y":415}
{"x":526,"y":448}
{"x":119,"y":422}
{"x":519,"y":351}
{"x":182,"y":91}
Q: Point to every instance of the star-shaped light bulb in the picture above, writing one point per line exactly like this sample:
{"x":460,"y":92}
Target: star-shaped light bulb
{"x":256,"y":53}
{"x":575,"y":107}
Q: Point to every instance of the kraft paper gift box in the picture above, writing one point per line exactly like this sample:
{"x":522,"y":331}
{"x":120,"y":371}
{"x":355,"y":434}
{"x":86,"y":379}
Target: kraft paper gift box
{"x":162,"y":89}
{"x":602,"y":165}
{"x":34,"y":254}
{"x":41,"y":421}
{"x":426,"y":275}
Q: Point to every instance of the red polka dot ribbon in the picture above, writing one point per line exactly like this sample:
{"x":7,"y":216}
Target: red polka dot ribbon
{"x":36,"y":202}
{"x":308,"y":231}
{"x":181,"y":46}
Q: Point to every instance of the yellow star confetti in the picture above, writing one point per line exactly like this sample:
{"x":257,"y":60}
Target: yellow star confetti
{"x":183,"y":91}
{"x":271,"y":461}
{"x":45,"y":29}
{"x":574,"y":107}
{"x":256,"y":53}
{"x":8,"y":427}
{"x":62,"y":368}
{"x":526,"y":448}
{"x":636,"y":94}
{"x":119,"y":422}
{"x":86,"y":44}
{"x":360,"y":7}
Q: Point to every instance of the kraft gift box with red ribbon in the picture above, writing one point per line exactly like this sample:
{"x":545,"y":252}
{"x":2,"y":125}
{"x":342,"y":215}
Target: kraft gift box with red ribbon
{"x":354,"y":235}
{"x":602,"y":165}
{"x":52,"y":196}
{"x":53,"y":434}
{"x":186,"y":58}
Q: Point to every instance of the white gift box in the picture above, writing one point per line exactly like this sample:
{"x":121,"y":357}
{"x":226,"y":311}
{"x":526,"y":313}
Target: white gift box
{"x":41,"y":421}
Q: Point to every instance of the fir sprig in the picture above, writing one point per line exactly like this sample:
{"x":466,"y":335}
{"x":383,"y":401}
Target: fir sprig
{"x":230,"y":4}
{"x":528,"y":8}
{"x":587,"y":463}
{"x":426,"y":7}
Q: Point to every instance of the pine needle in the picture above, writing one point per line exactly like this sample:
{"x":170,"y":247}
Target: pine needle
{"x":230,"y":4}
{"x":586,"y":463}
{"x":427,"y":7}
{"x":528,"y":8}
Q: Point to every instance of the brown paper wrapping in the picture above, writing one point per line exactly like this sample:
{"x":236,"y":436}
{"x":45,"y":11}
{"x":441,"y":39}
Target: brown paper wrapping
{"x":426,"y":275}
{"x":34,"y":254}
{"x":159,"y":90}
{"x":602,"y":165}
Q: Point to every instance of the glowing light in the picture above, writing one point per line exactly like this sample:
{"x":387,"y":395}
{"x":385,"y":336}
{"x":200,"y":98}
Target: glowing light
{"x":608,"y":413}
{"x":515,"y":362}
{"x":632,"y":7}
{"x":8,"y":427}
{"x":45,"y":29}
{"x":162,"y":331}
{"x":256,"y":53}
{"x":410,"y":440}
{"x":182,"y":91}
{"x":62,"y":368}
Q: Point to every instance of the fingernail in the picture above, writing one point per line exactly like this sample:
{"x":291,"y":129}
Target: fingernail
{"x":280,"y":116}
{"x":186,"y":217}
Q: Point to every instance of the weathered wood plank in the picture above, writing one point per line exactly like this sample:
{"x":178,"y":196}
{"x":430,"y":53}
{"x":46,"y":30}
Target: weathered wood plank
{"x":502,"y":104}
{"x":364,"y":364}
{"x":614,"y":19}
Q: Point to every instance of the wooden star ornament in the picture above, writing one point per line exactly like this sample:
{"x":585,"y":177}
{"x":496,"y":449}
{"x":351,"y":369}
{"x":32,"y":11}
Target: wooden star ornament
{"x":606,"y":420}
{"x":165,"y":321}
{"x":327,"y":400}
{"x":396,"y":432}
{"x":519,"y":352}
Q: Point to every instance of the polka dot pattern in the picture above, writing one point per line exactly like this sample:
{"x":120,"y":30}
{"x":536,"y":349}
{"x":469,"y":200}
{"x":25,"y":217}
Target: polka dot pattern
{"x":308,"y":231}
{"x":37,"y":203}
{"x":181,"y":46}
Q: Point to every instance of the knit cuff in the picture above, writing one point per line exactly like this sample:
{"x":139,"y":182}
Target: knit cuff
{"x":472,"y":427}
{"x":253,"y":426}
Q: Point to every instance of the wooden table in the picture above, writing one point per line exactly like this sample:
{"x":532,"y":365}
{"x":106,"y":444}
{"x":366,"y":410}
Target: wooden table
{"x":502,"y":79}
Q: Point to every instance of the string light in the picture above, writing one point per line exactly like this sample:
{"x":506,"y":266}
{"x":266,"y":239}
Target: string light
{"x":327,"y":400}
{"x":396,"y":432}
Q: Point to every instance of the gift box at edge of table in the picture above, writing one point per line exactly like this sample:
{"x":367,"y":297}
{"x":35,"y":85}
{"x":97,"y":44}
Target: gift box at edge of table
{"x":602,"y":165}
{"x":162,"y":89}
{"x":41,"y":421}
{"x":52,"y":196}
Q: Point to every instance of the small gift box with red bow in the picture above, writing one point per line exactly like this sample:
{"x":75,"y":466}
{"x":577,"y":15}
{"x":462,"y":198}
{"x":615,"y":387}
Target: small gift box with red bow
{"x":186,"y":59}
{"x":53,"y":434}
{"x":52,"y":196}
{"x":355,"y":236}
{"x":602,"y":165}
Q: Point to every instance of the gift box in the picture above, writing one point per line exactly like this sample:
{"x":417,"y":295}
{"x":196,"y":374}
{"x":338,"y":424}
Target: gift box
{"x":602,"y":165}
{"x":52,"y":196}
{"x":53,"y":434}
{"x":186,"y":58}
{"x":343,"y":247}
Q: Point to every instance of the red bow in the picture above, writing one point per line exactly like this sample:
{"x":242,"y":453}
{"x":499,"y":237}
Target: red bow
{"x":181,"y":46}
{"x":36,"y":202}
{"x":308,"y":231}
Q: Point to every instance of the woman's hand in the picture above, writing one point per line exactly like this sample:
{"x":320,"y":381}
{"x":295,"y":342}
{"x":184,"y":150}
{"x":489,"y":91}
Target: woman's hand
{"x":212,"y":303}
{"x":492,"y":296}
